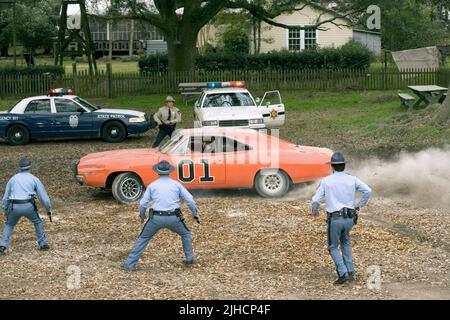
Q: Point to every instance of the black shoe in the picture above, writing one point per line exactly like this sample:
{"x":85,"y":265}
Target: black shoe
{"x":45,"y":247}
{"x":2,"y":250}
{"x":189,"y":263}
{"x":341,"y":280}
{"x":351,"y":276}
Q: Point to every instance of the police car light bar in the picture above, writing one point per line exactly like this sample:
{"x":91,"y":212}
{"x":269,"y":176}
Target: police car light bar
{"x":235,"y":84}
{"x":59,"y":91}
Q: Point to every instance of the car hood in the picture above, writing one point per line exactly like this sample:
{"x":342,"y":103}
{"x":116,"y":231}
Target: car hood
{"x":119,"y":156}
{"x":122,"y":111}
{"x":231,"y":113}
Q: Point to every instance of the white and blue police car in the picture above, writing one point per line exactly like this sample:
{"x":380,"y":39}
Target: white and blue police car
{"x":230,"y":104}
{"x":61,"y":114}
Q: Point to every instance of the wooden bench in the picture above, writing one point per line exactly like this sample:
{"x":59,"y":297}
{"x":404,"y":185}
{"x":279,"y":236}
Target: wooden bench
{"x":443,"y":98}
{"x":188,"y":89}
{"x":407,"y":100}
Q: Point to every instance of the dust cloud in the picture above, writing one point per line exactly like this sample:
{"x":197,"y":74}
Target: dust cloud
{"x":421,"y":179}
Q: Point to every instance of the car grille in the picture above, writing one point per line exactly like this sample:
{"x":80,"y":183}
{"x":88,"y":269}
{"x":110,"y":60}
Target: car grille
{"x":233,"y":123}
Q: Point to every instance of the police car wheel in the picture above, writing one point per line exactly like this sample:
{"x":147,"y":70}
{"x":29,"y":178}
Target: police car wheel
{"x":127,"y":188}
{"x":114,"y":132}
{"x":272,"y":185}
{"x":18,"y":135}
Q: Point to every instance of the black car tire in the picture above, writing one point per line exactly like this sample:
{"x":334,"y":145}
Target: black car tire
{"x":18,"y":135}
{"x":127,"y":188}
{"x":114,"y":132}
{"x":272,"y":185}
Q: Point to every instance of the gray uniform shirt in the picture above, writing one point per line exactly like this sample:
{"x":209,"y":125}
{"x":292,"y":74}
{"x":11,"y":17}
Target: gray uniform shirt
{"x":162,"y":115}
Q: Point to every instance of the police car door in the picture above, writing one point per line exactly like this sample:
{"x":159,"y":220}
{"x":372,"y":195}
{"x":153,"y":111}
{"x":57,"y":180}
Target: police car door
{"x":272,"y":109}
{"x":38,"y":115}
{"x":71,"y":119}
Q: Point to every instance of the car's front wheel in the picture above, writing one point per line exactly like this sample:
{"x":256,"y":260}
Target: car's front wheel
{"x":271,"y":184}
{"x":127,"y":188}
{"x":18,"y":135}
{"x":114,"y":132}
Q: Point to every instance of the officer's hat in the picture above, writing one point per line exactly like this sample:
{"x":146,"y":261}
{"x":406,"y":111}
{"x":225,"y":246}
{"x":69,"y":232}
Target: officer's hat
{"x":337,"y":158}
{"x":163,"y":167}
{"x":25,"y":164}
{"x":170,"y":99}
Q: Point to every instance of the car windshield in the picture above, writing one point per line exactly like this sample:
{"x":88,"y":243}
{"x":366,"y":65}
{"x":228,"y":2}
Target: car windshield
{"x":167,"y":147}
{"x":85,"y":104}
{"x":229,"y":99}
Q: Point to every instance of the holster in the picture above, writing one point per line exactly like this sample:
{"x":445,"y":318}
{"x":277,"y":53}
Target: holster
{"x":179,"y":214}
{"x":9,"y":209}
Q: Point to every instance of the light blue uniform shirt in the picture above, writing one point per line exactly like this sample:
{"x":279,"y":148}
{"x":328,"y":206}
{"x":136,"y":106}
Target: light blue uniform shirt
{"x":339,"y":190}
{"x":165,"y":194}
{"x":23,"y":186}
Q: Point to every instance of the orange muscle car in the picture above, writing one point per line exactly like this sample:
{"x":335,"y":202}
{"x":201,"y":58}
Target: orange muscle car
{"x":208,"y":158}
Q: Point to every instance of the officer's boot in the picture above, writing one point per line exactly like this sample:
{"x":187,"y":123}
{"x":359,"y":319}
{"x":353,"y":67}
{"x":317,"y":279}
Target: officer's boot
{"x":351,"y":276}
{"x":2,"y":250}
{"x":341,"y":280}
{"x":45,"y":247}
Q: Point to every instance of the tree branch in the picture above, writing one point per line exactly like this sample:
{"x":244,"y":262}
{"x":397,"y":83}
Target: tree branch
{"x":269,"y":16}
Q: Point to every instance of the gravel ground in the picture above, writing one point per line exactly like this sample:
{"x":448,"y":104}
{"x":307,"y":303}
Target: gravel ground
{"x":246,"y":247}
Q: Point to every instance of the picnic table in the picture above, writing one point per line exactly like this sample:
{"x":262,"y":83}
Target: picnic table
{"x":428,"y":94}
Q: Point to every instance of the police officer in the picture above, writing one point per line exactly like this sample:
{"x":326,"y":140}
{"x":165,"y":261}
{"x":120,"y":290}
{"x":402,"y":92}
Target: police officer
{"x":167,"y":118}
{"x":19,"y":202}
{"x":339,"y":190}
{"x":165,"y":194}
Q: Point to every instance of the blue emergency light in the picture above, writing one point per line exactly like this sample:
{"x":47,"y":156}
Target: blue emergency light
{"x":235,"y":84}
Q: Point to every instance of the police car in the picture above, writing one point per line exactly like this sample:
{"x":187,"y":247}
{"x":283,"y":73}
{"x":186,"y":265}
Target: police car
{"x":230,"y":104}
{"x":63,"y":115}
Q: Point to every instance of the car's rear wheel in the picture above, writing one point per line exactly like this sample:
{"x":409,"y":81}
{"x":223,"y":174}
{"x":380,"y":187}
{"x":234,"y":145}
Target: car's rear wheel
{"x":127,"y":188}
{"x":18,"y":135}
{"x":114,"y":132}
{"x":272,"y":184}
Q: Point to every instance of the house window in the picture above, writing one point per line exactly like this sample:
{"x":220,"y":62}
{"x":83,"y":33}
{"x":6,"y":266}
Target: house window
{"x":294,"y":40}
{"x":310,"y":38}
{"x":302,"y":39}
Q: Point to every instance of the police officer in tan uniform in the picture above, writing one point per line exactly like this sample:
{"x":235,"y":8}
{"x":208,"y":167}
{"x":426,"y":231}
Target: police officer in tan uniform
{"x":167,"y":118}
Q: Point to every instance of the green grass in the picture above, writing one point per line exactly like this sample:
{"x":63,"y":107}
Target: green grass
{"x":360,"y":122}
{"x":117,"y":65}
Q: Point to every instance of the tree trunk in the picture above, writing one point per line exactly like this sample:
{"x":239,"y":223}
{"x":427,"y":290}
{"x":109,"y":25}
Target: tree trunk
{"x":182,"y":49}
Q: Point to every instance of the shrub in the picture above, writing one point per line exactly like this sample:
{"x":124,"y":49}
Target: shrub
{"x":236,"y":40}
{"x":352,"y":55}
{"x":53,"y":71}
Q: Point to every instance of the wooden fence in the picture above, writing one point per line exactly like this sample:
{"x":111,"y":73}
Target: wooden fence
{"x":110,"y":84}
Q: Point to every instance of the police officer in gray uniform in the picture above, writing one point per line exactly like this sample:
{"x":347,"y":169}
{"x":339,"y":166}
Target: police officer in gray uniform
{"x":165,"y":195}
{"x":339,"y":190}
{"x":19,"y":201}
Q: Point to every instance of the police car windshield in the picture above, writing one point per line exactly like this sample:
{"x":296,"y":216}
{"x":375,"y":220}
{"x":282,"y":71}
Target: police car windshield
{"x":229,"y":99}
{"x":167,"y":147}
{"x":85,"y":104}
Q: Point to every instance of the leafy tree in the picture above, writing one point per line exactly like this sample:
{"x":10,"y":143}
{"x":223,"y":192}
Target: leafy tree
{"x":235,"y":40}
{"x":405,"y":24}
{"x":181,"y":20}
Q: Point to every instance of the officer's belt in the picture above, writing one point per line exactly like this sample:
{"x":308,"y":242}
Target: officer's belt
{"x":21,"y":201}
{"x":343,"y":213}
{"x":167,"y":213}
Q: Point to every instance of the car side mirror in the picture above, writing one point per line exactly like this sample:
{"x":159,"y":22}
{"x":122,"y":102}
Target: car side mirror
{"x":258,"y":100}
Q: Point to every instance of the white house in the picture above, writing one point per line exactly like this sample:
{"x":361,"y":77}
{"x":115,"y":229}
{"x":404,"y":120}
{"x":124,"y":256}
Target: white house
{"x":334,"y":34}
